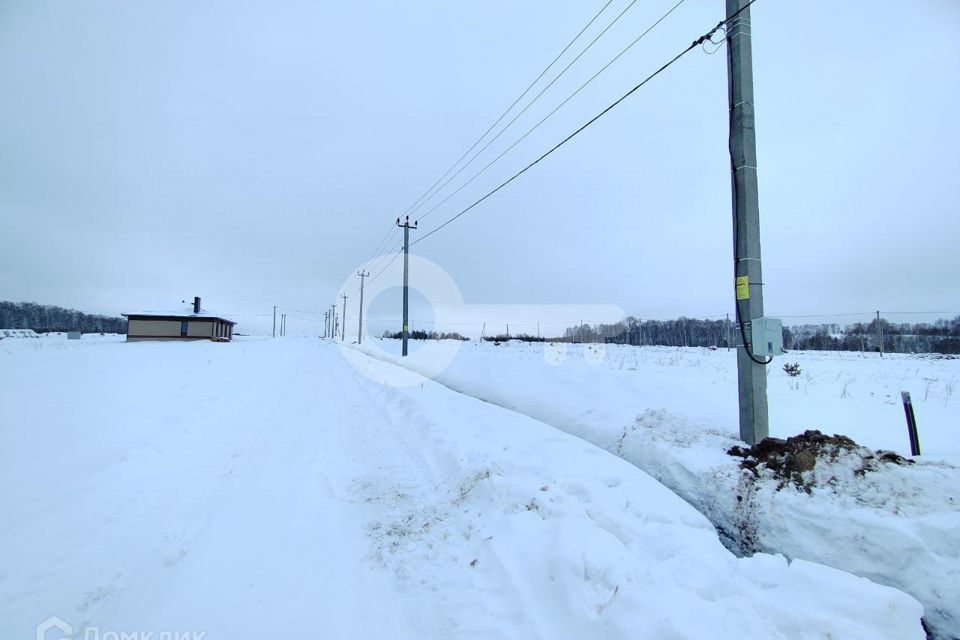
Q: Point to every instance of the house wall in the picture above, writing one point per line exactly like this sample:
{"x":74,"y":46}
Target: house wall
{"x":158,"y":328}
{"x":198,"y":329}
{"x":141,"y":329}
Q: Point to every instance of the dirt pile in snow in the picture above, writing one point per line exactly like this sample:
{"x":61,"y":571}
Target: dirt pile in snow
{"x":797,"y":459}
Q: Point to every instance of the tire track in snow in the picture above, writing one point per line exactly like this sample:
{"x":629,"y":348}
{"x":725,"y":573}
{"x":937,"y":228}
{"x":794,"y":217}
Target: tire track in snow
{"x":515,"y":606}
{"x":425,"y":516}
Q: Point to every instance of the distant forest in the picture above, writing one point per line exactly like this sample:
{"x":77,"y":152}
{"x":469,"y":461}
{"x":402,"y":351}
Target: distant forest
{"x":44,"y":318}
{"x":942,"y":336}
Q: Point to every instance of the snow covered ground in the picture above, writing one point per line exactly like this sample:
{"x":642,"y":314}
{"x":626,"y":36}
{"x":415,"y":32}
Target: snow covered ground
{"x":267,"y":489}
{"x":673,"y":413}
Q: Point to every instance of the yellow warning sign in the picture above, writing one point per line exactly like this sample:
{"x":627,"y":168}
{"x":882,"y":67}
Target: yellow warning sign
{"x":743,"y":288}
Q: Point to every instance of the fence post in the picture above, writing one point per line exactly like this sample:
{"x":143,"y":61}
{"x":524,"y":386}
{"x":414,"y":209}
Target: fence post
{"x":911,"y":423}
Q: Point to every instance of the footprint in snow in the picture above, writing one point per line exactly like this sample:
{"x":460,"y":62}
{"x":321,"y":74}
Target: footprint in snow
{"x":174,"y":558}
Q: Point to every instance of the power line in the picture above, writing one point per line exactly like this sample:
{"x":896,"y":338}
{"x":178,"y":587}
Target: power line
{"x":386,"y":266}
{"x":417,"y":202}
{"x":692,"y":46}
{"x":428,"y":195}
{"x":555,"y":109}
{"x":300,"y":310}
{"x":392,"y":254}
{"x":383,"y":242}
{"x":530,"y":104}
{"x":353,"y":288}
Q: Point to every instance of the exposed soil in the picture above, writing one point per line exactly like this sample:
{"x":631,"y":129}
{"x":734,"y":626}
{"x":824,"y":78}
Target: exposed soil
{"x":789,"y":460}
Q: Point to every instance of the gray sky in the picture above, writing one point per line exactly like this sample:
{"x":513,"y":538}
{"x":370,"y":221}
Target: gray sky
{"x":254,"y":153}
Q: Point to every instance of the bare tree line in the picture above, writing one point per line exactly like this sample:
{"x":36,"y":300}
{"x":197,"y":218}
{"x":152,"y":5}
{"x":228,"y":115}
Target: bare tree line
{"x":942,"y":336}
{"x":48,"y":318}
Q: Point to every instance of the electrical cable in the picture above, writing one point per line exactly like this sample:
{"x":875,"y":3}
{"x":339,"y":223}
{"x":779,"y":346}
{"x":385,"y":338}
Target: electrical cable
{"x":555,"y":109}
{"x":393,"y":229}
{"x":522,"y":111}
{"x":689,"y":48}
{"x":355,"y":288}
{"x":395,"y":256}
{"x":417,"y":202}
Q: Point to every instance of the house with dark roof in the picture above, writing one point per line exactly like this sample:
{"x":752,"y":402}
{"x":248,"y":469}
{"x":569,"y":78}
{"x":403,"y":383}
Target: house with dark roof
{"x":195,"y":324}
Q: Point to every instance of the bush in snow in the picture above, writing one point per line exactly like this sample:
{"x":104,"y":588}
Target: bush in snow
{"x":792,"y":370}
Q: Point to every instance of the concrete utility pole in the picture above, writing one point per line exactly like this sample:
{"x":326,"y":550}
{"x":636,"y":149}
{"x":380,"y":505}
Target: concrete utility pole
{"x":343,"y":325}
{"x":326,"y":318}
{"x":333,"y":321}
{"x":746,"y":221}
{"x":879,"y":334}
{"x":274,"y":321}
{"x":362,"y":274}
{"x":406,"y":279}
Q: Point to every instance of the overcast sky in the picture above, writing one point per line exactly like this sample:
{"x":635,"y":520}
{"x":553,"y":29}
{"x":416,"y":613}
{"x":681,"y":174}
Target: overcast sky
{"x":255,"y":153}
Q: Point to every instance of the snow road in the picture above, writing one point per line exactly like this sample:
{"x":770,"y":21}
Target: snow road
{"x":265,"y":489}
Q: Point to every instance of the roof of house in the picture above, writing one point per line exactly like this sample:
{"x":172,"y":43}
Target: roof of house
{"x":175,"y":315}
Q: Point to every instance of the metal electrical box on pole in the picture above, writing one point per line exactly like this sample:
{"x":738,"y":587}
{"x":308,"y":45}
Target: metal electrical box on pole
{"x":751,"y":368}
{"x":766,"y":337}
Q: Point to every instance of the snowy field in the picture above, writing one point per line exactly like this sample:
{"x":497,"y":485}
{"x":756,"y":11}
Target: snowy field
{"x":673,"y":413}
{"x":836,"y":392}
{"x":269,"y":489}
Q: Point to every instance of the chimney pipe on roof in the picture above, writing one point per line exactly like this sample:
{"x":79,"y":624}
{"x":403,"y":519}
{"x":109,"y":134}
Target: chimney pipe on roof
{"x":196,"y":304}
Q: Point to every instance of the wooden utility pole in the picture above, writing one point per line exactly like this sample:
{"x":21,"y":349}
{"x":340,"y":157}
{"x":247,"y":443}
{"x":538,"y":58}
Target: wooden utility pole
{"x":362,"y":274}
{"x":343,"y":325}
{"x":406,"y":280}
{"x":879,"y":334}
{"x":746,"y":221}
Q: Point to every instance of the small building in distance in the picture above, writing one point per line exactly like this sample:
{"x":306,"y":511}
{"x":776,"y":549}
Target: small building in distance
{"x":191,"y":324}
